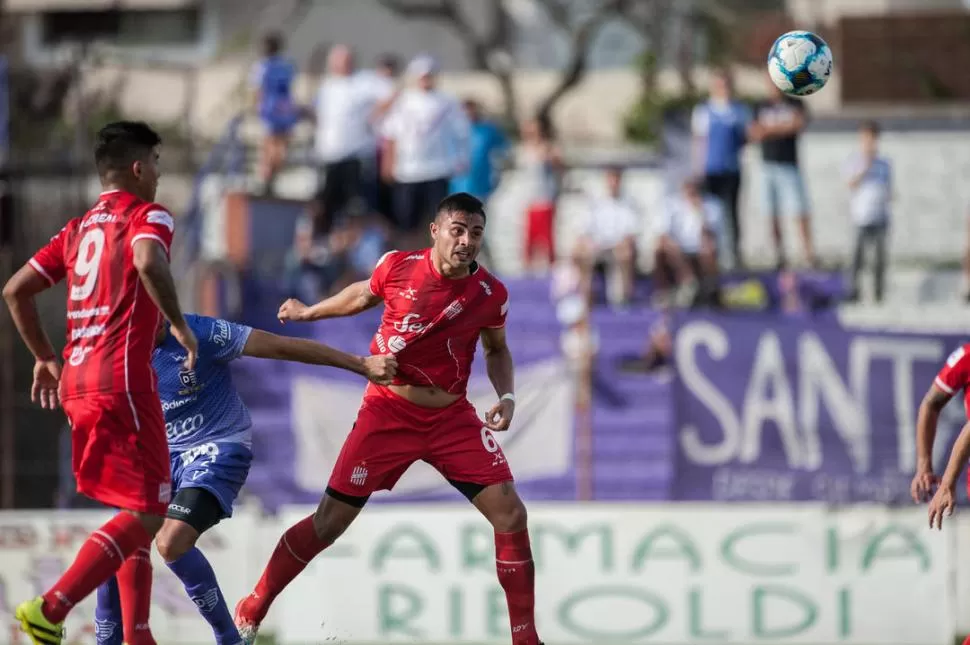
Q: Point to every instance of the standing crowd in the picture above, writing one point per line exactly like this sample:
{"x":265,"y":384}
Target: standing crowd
{"x":390,"y":145}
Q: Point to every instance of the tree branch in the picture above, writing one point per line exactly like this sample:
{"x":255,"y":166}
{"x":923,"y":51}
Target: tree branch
{"x":582,"y":38}
{"x":447,"y":12}
{"x":558,"y":13}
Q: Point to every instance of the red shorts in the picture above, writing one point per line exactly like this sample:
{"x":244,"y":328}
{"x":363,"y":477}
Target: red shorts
{"x":540,"y":231}
{"x":119,"y":451}
{"x":392,"y":433}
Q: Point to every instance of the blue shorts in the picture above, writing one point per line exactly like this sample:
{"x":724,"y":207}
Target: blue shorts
{"x":220,"y":468}
{"x":279,"y":117}
{"x":784,"y":190}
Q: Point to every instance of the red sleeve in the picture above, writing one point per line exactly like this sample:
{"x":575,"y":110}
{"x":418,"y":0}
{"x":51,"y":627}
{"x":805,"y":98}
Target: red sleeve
{"x":49,"y":261}
{"x":955,"y":374}
{"x":381,"y":271}
{"x":153,"y":222}
{"x":501,"y":303}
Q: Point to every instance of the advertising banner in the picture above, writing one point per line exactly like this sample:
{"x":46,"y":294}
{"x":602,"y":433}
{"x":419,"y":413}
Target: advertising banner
{"x":37,"y":547}
{"x":633,"y":573}
{"x":777,"y":409}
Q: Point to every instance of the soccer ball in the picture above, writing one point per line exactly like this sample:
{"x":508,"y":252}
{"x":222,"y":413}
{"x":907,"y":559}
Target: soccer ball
{"x":800,"y":63}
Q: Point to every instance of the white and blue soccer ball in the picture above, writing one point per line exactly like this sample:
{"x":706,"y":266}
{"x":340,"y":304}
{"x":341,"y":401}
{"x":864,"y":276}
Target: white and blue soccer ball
{"x":800,"y":63}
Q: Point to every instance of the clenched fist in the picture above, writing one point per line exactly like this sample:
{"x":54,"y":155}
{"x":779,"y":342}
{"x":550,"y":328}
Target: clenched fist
{"x":293,"y":310}
{"x":380,"y":369}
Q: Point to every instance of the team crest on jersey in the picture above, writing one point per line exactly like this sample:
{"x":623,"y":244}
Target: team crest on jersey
{"x":486,"y":288}
{"x":189,"y":382}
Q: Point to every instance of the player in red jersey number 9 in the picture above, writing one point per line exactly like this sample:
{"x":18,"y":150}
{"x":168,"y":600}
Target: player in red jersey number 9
{"x":115,"y":260}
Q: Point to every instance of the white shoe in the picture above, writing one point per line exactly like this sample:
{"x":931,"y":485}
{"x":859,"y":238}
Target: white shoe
{"x":247,"y":630}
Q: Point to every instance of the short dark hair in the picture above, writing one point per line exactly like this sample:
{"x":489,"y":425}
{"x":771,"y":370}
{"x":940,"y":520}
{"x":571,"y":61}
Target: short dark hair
{"x":870,"y":126}
{"x":122,"y":143}
{"x":391,"y":62}
{"x":461,"y":203}
{"x":272,"y":43}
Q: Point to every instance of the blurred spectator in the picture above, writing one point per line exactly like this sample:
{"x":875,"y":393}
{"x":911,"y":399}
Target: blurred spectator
{"x":778,"y":123}
{"x":579,"y":340}
{"x":388,"y":69}
{"x":609,"y":236}
{"x":347,"y":106}
{"x":543,"y":167}
{"x":388,"y":66}
{"x":871,"y":184}
{"x":488,"y":147}
{"x":272,"y":80}
{"x":427,"y":139}
{"x":720,"y":130}
{"x":326,"y":257}
{"x":658,"y":353}
{"x":687,"y":232}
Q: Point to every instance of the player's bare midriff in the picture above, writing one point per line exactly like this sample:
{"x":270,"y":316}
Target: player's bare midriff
{"x":426,"y":397}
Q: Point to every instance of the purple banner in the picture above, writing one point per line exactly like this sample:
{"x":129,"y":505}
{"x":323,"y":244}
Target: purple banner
{"x":771,"y":409}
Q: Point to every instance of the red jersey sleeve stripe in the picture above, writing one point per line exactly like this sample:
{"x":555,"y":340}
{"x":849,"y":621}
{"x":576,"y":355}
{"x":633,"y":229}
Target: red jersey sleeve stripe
{"x":943,"y":386}
{"x":149,"y":236}
{"x":39,"y":269}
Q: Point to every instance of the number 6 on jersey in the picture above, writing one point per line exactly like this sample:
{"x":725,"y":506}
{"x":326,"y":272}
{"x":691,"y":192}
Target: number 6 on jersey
{"x":88,"y":262}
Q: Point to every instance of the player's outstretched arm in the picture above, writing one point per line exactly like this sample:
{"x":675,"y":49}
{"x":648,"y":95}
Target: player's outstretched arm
{"x":262,"y":344}
{"x":152,"y":265}
{"x":929,"y":415}
{"x":19,"y":295}
{"x":933,"y":403}
{"x":944,"y":500}
{"x":350,"y":301}
{"x":501,"y":372}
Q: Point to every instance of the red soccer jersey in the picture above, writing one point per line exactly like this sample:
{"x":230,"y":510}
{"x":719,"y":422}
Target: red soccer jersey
{"x":432,"y":323}
{"x":111,"y":320}
{"x":955,"y":375}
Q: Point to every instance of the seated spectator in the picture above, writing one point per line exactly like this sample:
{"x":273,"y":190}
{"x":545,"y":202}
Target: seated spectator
{"x":687,"y":247}
{"x":324,"y":259}
{"x":657,"y":354}
{"x":609,"y":236}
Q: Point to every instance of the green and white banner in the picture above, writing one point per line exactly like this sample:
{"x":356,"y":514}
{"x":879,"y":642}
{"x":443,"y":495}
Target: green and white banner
{"x":661,"y":573}
{"x":687,"y":573}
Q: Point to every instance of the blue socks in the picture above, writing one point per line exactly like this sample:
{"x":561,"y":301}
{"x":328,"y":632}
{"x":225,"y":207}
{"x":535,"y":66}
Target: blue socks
{"x":200,"y":583}
{"x":199,"y":580}
{"x":107,"y":615}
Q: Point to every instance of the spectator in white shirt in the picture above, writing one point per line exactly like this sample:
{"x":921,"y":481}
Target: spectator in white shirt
{"x":687,"y":234}
{"x":388,"y":68}
{"x":870,"y":180}
{"x":609,"y":236}
{"x":347,"y":107}
{"x":426,"y":143}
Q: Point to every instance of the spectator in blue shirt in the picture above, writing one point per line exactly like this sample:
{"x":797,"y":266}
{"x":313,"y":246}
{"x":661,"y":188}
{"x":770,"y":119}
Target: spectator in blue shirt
{"x":272,"y":79}
{"x":720,"y":130}
{"x":488,"y":146}
{"x":870,"y":179}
